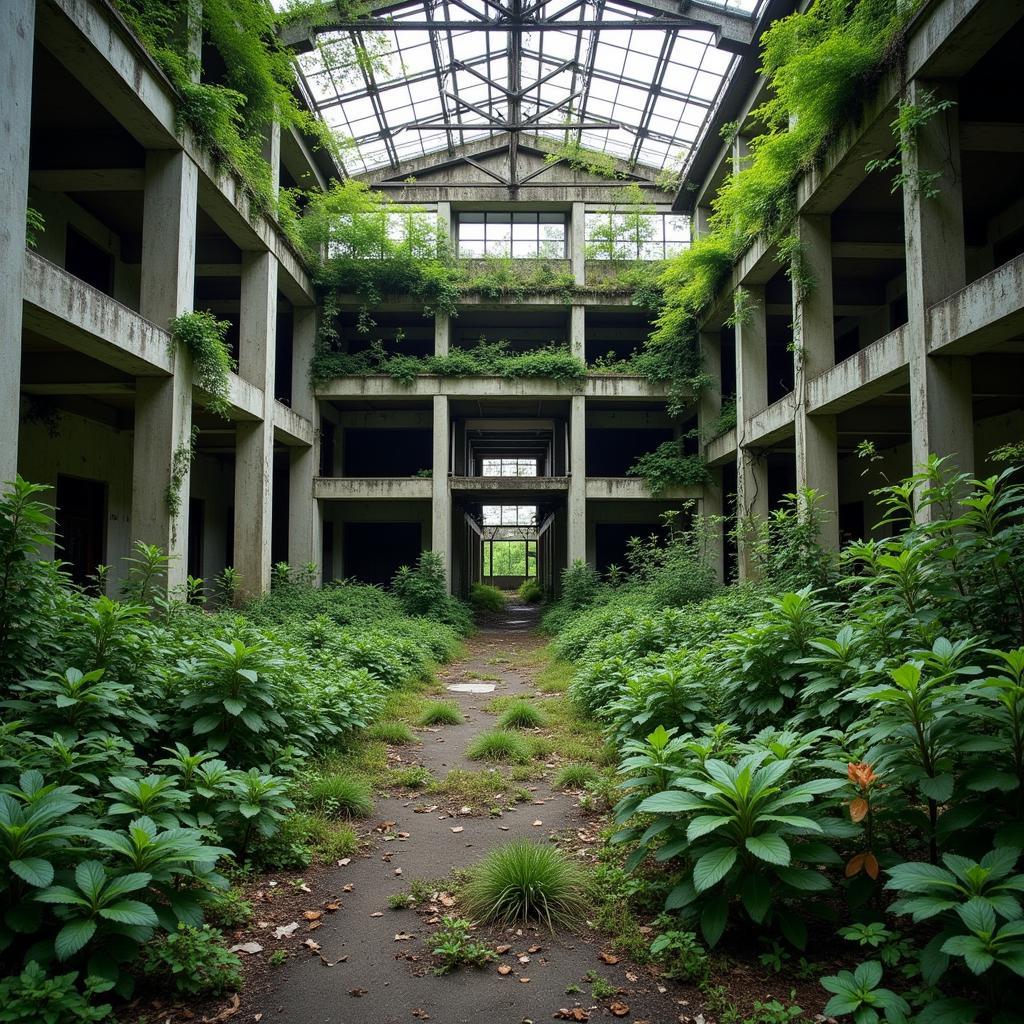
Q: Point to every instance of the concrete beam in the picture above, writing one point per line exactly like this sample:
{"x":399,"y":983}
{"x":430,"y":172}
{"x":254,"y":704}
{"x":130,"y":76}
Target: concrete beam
{"x":721,"y":449}
{"x":604,"y":386}
{"x":511,"y":485}
{"x":631,"y":488}
{"x":332,"y":488}
{"x":90,"y":179}
{"x":66,"y":309}
{"x":771,"y":425}
{"x":290,"y":428}
{"x":874,"y":370}
{"x":985,"y":313}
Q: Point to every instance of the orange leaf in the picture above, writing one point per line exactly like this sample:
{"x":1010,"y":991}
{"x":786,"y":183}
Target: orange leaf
{"x":859,"y":808}
{"x":871,"y":865}
{"x":855,"y":864}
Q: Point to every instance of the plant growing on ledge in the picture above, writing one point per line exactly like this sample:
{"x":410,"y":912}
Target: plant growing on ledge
{"x":667,"y":467}
{"x":202,"y":335}
{"x":590,"y":161}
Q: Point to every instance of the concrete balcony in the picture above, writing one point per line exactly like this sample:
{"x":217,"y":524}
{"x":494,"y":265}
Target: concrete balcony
{"x":426,"y":385}
{"x":633,"y":488}
{"x":515,"y":487}
{"x":372,"y":488}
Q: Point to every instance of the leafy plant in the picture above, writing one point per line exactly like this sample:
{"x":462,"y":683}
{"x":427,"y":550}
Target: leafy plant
{"x":485,"y":598}
{"x":857,"y":994}
{"x":193,"y":960}
{"x":201,"y":334}
{"x":667,"y":467}
{"x":335,"y":794}
{"x":455,"y":947}
{"x":33,"y":997}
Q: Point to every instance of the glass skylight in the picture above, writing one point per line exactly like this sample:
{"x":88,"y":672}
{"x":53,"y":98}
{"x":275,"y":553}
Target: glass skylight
{"x":643,"y":93}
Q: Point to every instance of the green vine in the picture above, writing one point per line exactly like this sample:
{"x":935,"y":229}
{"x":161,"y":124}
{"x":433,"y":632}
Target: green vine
{"x":202,"y":335}
{"x":35,"y":225}
{"x":910,"y":119}
{"x":588,"y":161}
{"x":667,"y":467}
{"x":181,"y":461}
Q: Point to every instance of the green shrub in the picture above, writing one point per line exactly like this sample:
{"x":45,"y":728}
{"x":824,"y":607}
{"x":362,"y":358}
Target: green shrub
{"x":455,"y":947}
{"x":485,"y":598}
{"x":580,"y":584}
{"x":33,"y":997}
{"x":498,"y":745}
{"x":575,"y":776}
{"x":423,"y":591}
{"x":522,"y":882}
{"x":336,"y":794}
{"x":394,"y":733}
{"x":228,"y":908}
{"x":521,"y":714}
{"x":441,"y":712}
{"x":531,"y":591}
{"x":193,"y":961}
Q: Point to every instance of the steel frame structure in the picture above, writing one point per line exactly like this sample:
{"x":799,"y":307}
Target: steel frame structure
{"x":502,"y":68}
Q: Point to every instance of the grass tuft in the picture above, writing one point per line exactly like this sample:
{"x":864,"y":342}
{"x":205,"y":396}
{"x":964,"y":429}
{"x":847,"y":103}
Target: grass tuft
{"x":522,"y":714}
{"x":413,"y":777}
{"x":394,"y":733}
{"x":337,"y":795}
{"x":576,"y":776}
{"x":498,"y":745}
{"x":525,"y":881}
{"x":441,"y":712}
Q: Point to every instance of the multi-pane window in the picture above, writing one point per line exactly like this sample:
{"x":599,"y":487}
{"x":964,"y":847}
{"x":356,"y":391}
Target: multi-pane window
{"x":510,"y":515}
{"x":612,"y":235}
{"x":520,"y":235}
{"x":510,"y":558}
{"x":510,"y":467}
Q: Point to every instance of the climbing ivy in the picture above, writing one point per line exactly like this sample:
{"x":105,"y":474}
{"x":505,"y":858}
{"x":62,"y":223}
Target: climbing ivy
{"x":667,"y":467}
{"x":590,"y":161}
{"x":202,"y":335}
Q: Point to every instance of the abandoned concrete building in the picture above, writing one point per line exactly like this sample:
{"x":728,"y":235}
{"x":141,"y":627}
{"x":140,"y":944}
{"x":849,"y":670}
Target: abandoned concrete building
{"x":910,"y":343}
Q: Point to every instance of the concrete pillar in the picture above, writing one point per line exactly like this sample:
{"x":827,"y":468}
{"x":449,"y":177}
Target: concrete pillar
{"x":163,"y":405}
{"x":577,"y":498}
{"x":709,"y":408}
{"x":700,"y":223}
{"x":578,"y":331}
{"x":305,"y":542}
{"x":441,"y":517}
{"x":751,"y":398}
{"x":442,"y":334}
{"x":254,"y":440}
{"x":272,"y":154}
{"x":17,"y":33}
{"x":578,"y":242}
{"x":942,"y":421}
{"x":817,"y":456}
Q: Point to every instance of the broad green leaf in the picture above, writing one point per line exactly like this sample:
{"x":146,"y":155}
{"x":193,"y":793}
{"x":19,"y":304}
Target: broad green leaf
{"x":90,"y":876}
{"x":205,"y":724}
{"x":705,"y":824}
{"x":756,"y":894}
{"x":130,"y":912}
{"x":233,"y":706}
{"x":669,"y":802}
{"x":939,"y":789}
{"x":34,"y":870}
{"x":868,"y":974}
{"x":771,"y":848}
{"x":713,"y":867}
{"x":72,"y":937}
{"x":713,"y":918}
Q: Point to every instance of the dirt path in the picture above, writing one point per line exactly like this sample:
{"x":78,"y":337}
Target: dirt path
{"x":377,"y":976}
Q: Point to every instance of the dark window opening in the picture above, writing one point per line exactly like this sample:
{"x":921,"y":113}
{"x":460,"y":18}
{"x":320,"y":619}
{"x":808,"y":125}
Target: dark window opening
{"x":81,"y":525}
{"x":88,"y":262}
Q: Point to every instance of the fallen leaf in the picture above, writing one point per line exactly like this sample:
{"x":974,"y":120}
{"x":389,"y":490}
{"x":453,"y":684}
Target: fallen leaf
{"x":504,"y":969}
{"x":286,"y":931}
{"x":398,"y":871}
{"x":538,"y":822}
{"x":228,"y":1012}
{"x":576,"y":1013}
{"x":247,"y":947}
{"x":445,"y":900}
{"x":534,"y":949}
{"x":344,"y":862}
{"x":502,"y":949}
{"x":335,"y":905}
{"x":619,"y":1009}
{"x":313,"y":915}
{"x":304,"y":888}
{"x":357,"y":991}
{"x":310,"y":944}
{"x":609,"y":958}
{"x":458,"y":828}
{"x":524,"y":959}
{"x":631,"y":977}
{"x":524,"y":981}
{"x":403,"y":936}
{"x":420,"y":1014}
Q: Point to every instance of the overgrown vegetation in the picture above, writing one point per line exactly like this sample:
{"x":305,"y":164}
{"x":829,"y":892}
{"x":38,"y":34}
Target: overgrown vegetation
{"x":838,"y":746}
{"x":201,"y":334}
{"x":148,"y":745}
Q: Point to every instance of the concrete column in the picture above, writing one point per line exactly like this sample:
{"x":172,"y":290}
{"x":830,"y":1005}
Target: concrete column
{"x":578,"y":331}
{"x":700,"y":223}
{"x":751,"y":398}
{"x":942,"y":421}
{"x":577,"y":498}
{"x":163,"y":405}
{"x":305,"y":526}
{"x":441,"y":518}
{"x":254,"y":440}
{"x":442,"y":323}
{"x":709,"y":408}
{"x":17,"y":32}
{"x":272,"y":154}
{"x":578,"y":243}
{"x":817,"y":456}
